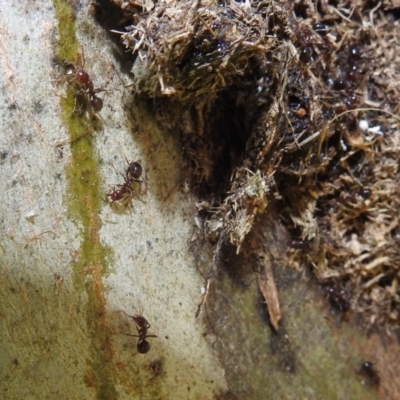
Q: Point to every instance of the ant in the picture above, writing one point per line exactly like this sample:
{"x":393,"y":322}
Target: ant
{"x":79,"y":79}
{"x":297,"y":244}
{"x":142,"y":326}
{"x":133,"y":173}
{"x":336,"y":298}
{"x":368,"y":371}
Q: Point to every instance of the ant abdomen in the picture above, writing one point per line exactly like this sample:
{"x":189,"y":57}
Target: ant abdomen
{"x":134,"y":170}
{"x":143,"y":346}
{"x":96,"y":103}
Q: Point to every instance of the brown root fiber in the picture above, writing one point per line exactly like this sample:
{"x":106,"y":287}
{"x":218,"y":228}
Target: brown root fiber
{"x":293,"y":103}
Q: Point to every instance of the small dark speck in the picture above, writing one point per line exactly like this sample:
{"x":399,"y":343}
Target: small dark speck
{"x":60,"y":152}
{"x":148,"y":243}
{"x":226,"y":396}
{"x":58,"y":176}
{"x":12,"y":107}
{"x":156,"y":367}
{"x":15,"y":361}
{"x":3,"y":155}
{"x":368,"y":371}
{"x":13,"y":290}
{"x":38,"y":107}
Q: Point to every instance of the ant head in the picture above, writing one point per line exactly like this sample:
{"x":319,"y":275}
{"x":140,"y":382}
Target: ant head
{"x":82,"y":76}
{"x":143,"y":346}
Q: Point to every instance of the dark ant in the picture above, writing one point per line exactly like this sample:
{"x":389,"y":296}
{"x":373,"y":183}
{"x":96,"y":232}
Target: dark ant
{"x":313,"y":47}
{"x":79,"y":79}
{"x":307,"y":51}
{"x":368,"y":371}
{"x":354,"y":71}
{"x":133,"y":173}
{"x":336,"y":298}
{"x":306,"y":54}
{"x":355,"y":196}
{"x":339,"y":83}
{"x":142,"y":326}
{"x":321,"y":29}
{"x":310,"y":46}
{"x":354,"y":53}
{"x":297,"y":244}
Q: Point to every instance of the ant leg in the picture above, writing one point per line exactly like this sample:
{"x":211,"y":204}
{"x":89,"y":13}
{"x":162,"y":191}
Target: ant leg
{"x":130,"y":334}
{"x":78,"y":108}
{"x":83,"y":57}
{"x":126,"y":202}
{"x":122,"y":311}
{"x":99,"y":90}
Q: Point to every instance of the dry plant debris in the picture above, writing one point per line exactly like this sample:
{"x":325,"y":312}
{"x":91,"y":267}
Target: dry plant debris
{"x":293,"y":103}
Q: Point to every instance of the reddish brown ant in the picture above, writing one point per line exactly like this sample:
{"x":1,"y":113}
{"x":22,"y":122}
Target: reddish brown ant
{"x":79,"y":79}
{"x":133,"y":173}
{"x":142,"y":326}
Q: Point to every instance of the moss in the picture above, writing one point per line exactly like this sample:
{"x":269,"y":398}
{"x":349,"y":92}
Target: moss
{"x":67,"y":45}
{"x":84,"y":204}
{"x":84,"y":207}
